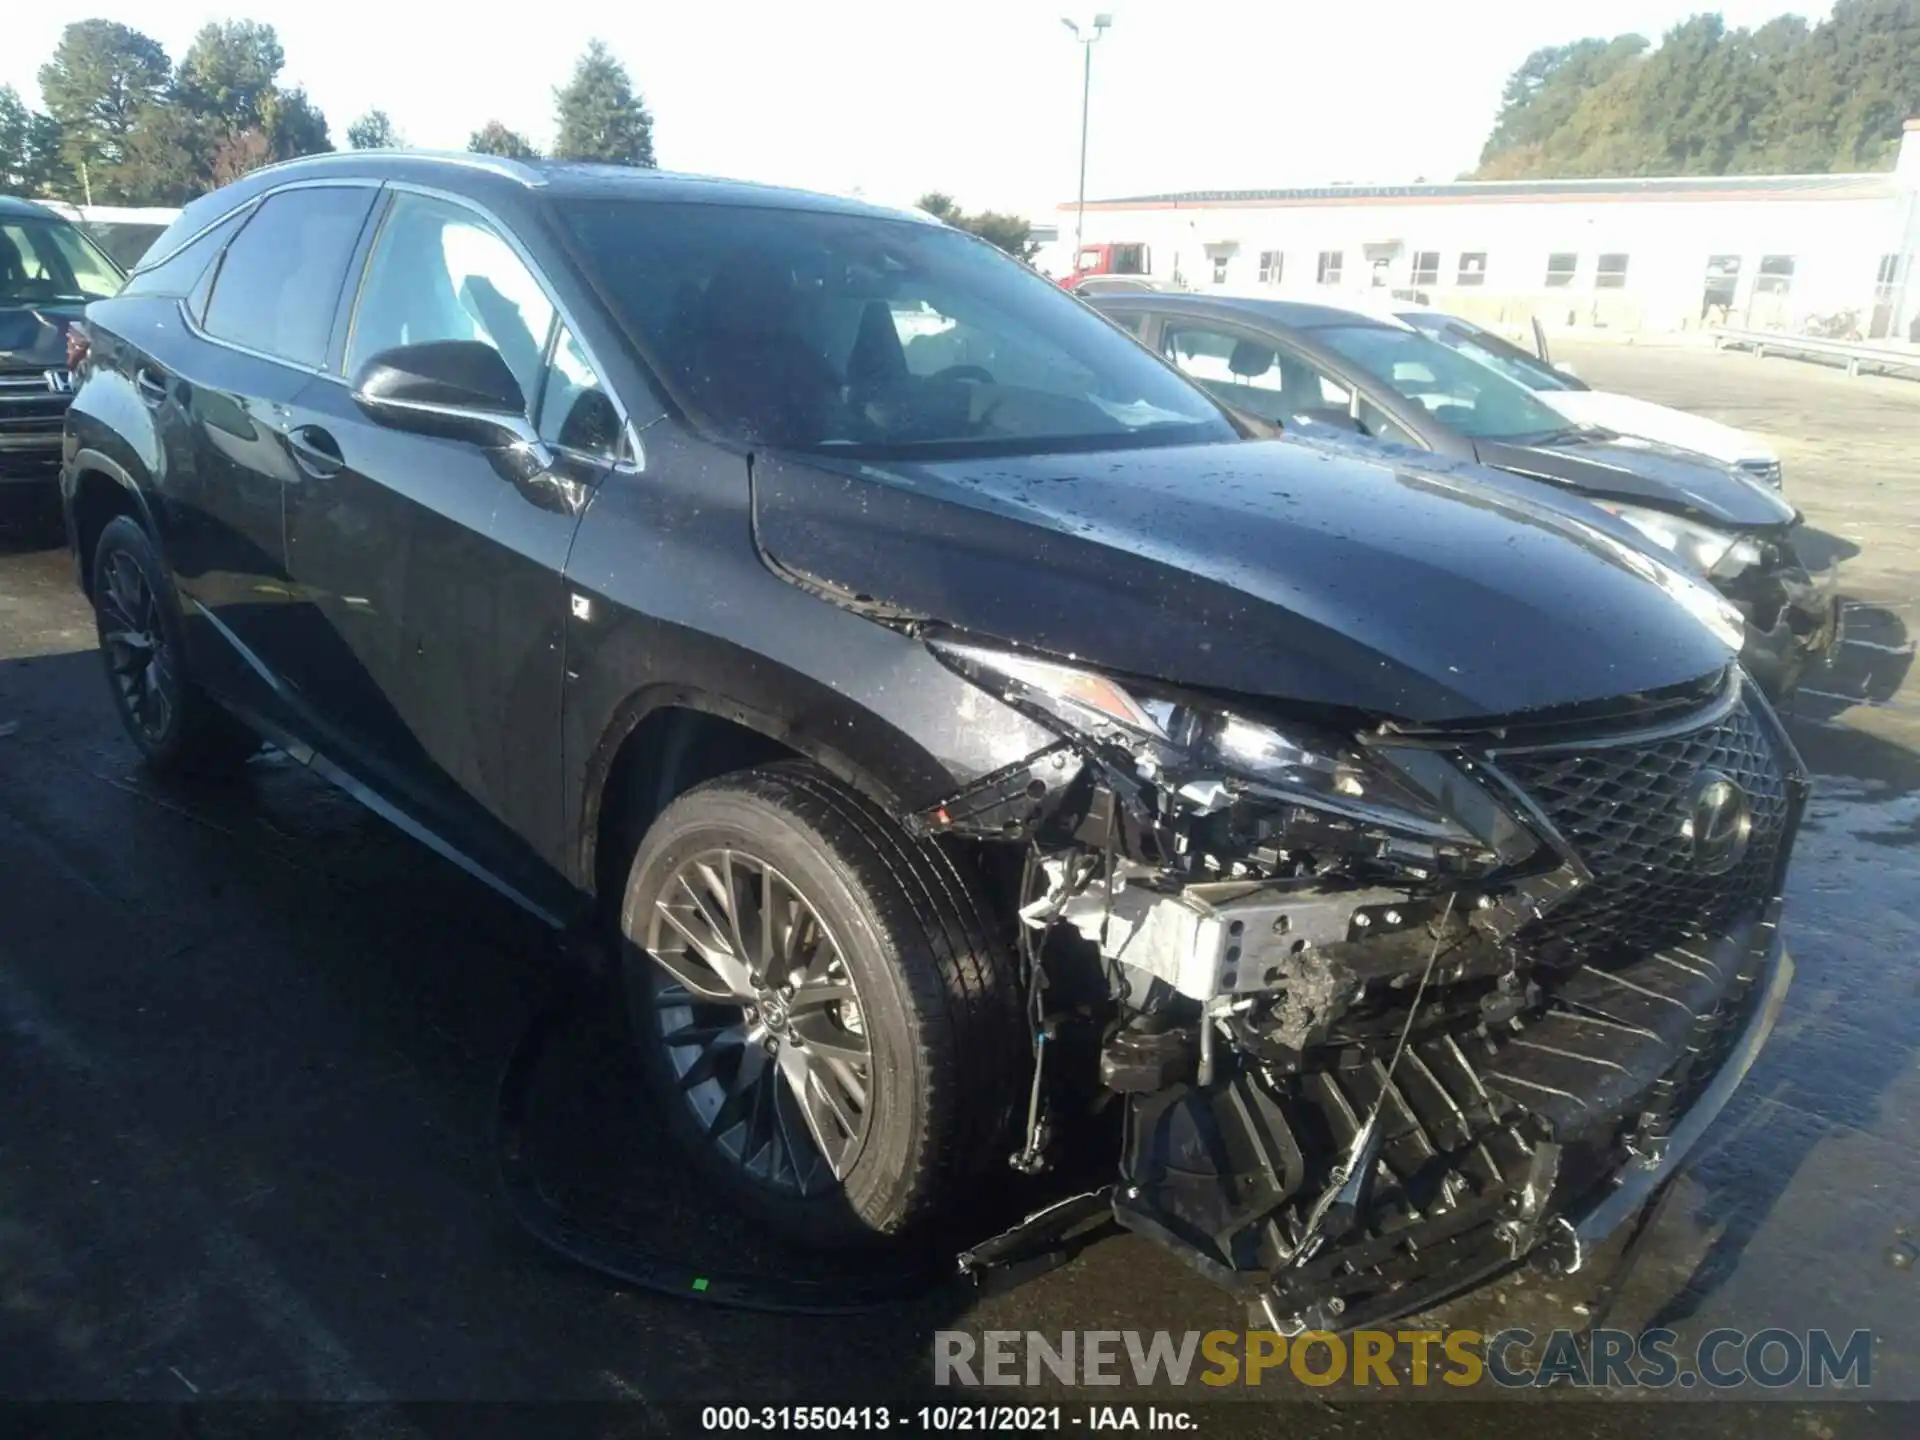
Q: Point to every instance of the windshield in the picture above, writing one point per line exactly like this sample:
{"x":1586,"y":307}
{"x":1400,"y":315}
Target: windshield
{"x":856,"y":335}
{"x":1493,"y":351}
{"x":1465,"y":396}
{"x":44,"y":261}
{"x":125,"y":241}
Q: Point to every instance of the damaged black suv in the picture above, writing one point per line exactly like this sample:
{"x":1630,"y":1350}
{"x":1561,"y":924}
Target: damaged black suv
{"x":970,"y":732}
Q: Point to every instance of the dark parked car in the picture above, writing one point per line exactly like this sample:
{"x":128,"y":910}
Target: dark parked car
{"x":48,"y":272}
{"x":968,"y":736}
{"x":1289,"y":362}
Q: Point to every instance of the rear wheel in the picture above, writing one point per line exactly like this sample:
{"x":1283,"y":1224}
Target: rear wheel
{"x":829,"y":1022}
{"x":176,"y":727}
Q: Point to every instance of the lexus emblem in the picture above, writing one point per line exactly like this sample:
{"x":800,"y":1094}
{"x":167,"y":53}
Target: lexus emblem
{"x":1719,"y":825}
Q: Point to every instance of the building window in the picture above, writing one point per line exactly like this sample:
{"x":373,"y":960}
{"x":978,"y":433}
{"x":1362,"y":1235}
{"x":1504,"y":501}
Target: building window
{"x":1426,"y":267}
{"x":1721,"y":285}
{"x":1220,"y":270}
{"x":1889,"y":271}
{"x":1272,"y":262}
{"x":1610,"y":273}
{"x":1776,"y":275}
{"x":1473,"y":268}
{"x":1560,"y":269}
{"x":1330,"y":263}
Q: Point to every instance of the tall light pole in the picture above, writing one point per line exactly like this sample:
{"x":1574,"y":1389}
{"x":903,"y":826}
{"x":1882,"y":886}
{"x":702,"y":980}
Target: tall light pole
{"x":1100,"y":24}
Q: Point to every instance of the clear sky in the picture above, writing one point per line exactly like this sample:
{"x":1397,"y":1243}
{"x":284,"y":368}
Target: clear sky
{"x":980,"y":98}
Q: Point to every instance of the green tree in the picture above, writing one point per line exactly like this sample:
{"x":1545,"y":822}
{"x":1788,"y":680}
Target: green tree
{"x":168,"y":156}
{"x":494,"y":138}
{"x":238,"y":153}
{"x":229,"y":70}
{"x":373,"y":131}
{"x":1785,"y":97}
{"x":598,"y":114}
{"x":1008,"y":232}
{"x":941,"y":206}
{"x":1870,"y":49}
{"x":47,"y":170}
{"x":293,"y":125}
{"x":16,"y":124}
{"x":101,"y":75}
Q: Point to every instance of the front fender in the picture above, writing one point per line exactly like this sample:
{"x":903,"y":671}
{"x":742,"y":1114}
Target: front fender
{"x":670,"y":604}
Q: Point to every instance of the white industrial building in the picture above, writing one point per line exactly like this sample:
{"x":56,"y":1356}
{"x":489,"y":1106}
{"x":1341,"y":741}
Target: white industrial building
{"x":1773,"y":251}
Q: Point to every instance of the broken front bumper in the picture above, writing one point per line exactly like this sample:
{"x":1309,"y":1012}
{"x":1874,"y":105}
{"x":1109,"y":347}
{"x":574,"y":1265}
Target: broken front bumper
{"x":1805,"y":630}
{"x":1537,"y":1137}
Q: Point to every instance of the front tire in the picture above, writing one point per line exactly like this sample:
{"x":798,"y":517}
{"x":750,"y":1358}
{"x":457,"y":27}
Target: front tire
{"x":176,"y":727}
{"x":831,"y":1024}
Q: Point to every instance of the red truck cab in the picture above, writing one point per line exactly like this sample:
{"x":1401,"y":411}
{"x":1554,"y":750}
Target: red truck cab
{"x":1130,"y":258}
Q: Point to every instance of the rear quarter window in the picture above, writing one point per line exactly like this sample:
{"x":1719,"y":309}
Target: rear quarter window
{"x":279,"y":282}
{"x":177,"y":273}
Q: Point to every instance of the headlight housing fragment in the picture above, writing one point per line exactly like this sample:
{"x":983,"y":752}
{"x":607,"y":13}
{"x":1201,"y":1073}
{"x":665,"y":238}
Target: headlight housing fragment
{"x":1704,"y":549}
{"x":1207,"y":754}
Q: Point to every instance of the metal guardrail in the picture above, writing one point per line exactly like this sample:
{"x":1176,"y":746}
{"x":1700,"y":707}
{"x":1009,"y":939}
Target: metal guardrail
{"x":1855,"y":354}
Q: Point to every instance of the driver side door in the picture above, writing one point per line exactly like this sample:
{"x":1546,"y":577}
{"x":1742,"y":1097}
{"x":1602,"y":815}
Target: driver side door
{"x":441,"y":562}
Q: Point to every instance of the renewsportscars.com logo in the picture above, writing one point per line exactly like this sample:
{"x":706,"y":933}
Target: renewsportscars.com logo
{"x":1771,"y":1358}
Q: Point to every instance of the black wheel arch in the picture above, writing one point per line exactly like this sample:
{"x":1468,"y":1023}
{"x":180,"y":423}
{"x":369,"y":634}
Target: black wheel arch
{"x":95,"y":489}
{"x":663,"y":739}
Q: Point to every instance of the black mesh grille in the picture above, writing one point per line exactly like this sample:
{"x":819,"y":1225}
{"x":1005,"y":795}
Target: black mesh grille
{"x":1622,"y":808}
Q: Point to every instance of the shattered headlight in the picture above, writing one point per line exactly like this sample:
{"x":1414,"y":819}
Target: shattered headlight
{"x":1206,"y":754}
{"x":1703,"y":548}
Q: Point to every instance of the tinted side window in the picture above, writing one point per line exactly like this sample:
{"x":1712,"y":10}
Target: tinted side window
{"x":575,"y":412}
{"x":1250,"y":374}
{"x":176,"y":274}
{"x":279,"y":281}
{"x":1382,"y":426}
{"x":439,"y":273}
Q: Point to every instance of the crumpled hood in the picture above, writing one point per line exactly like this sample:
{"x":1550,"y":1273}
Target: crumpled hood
{"x":1631,"y":415}
{"x":34,"y":337}
{"x":1647,"y":473}
{"x":1277,"y":569}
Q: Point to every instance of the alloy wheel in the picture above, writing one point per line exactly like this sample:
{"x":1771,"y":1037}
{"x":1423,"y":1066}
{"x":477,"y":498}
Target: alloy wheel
{"x":761,"y":1022}
{"x":138,"y":656}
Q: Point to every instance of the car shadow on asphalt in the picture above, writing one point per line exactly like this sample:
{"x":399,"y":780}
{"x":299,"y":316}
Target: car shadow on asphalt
{"x":29,"y":523}
{"x":1868,"y":667}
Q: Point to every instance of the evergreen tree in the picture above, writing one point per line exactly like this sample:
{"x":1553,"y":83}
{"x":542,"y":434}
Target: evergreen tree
{"x":493,"y":138}
{"x":598,"y":115}
{"x":229,"y":71}
{"x":1783,"y":98}
{"x":373,"y":131}
{"x":1008,"y":232}
{"x":100,"y":77}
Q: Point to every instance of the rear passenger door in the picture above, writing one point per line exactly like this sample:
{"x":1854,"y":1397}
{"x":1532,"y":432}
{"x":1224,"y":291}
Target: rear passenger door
{"x":438,"y":565}
{"x":258,"y":327}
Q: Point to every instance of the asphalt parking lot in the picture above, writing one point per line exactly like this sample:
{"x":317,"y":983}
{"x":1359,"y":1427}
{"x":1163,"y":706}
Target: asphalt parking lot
{"x":249,"y":1038}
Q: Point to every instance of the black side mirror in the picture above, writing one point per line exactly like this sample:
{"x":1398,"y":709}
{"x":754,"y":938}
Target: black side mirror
{"x":455,"y":389}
